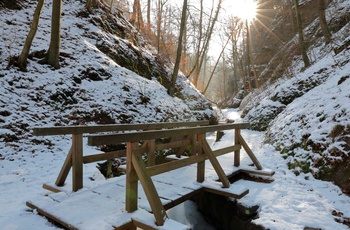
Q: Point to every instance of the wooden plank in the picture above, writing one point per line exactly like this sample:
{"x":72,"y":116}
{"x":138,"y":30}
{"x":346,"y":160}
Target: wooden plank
{"x":250,"y":153}
{"x":126,"y":226}
{"x":62,"y":176}
{"x":77,"y":161}
{"x":216,"y":165}
{"x":173,"y":144}
{"x":105,"y":139}
{"x":51,"y":188}
{"x":200,"y":164}
{"x":182,"y":199}
{"x":262,"y":172}
{"x":149,"y":189}
{"x":237,"y":155}
{"x":62,"y":130}
{"x":103,"y":156}
{"x":131,"y":180}
{"x":50,"y":217}
{"x":226,"y":193}
{"x":223,"y":151}
{"x":141,"y":225}
{"x":169,"y":166}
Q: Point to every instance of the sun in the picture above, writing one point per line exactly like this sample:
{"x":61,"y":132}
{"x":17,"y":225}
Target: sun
{"x":243,"y":9}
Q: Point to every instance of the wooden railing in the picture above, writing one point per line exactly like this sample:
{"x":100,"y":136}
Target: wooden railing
{"x":181,"y":135}
{"x":75,"y":158}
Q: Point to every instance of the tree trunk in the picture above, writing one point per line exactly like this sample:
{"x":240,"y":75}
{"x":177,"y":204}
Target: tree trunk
{"x":53,"y":54}
{"x":216,"y":65}
{"x":323,"y":22}
{"x":90,"y":4}
{"x":179,"y":49}
{"x":199,"y":47}
{"x":22,"y":59}
{"x":301,"y":35}
{"x":206,"y":43}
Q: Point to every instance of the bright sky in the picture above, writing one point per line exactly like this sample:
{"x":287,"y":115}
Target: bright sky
{"x":244,"y":9}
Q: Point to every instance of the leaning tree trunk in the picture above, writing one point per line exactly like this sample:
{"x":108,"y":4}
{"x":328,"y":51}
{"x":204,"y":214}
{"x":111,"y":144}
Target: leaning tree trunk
{"x":22,"y":59}
{"x":301,"y":35}
{"x":53,"y":54}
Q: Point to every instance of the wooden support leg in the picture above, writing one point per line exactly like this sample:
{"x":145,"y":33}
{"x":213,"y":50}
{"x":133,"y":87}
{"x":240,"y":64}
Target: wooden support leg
{"x":149,"y":188}
{"x":131,"y":180}
{"x":250,"y":153}
{"x":237,"y":156}
{"x":216,"y":165}
{"x":62,"y":176}
{"x":77,"y":161}
{"x":201,"y":164}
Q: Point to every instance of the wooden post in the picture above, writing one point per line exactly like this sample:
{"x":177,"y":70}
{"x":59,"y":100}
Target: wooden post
{"x":77,"y":161}
{"x":237,"y":155}
{"x":151,"y":153}
{"x":149,"y":188}
{"x":200,"y":165}
{"x":65,"y":169}
{"x":131,"y":179}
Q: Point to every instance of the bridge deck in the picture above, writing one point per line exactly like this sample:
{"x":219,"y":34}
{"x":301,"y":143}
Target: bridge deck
{"x":103,"y":206}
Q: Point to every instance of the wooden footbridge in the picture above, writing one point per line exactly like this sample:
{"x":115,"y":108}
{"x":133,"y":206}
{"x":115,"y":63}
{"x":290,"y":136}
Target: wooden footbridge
{"x":141,"y":197}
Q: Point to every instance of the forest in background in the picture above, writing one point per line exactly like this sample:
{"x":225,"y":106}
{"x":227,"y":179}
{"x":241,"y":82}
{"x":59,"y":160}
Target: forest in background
{"x":223,"y":55}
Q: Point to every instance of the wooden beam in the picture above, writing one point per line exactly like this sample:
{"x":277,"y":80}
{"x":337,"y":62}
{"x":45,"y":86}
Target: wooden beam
{"x":222,"y":192}
{"x":237,"y":155}
{"x":250,"y":153}
{"x":105,"y":139}
{"x":50,"y":217}
{"x":168,"y":166}
{"x":62,"y":176}
{"x":216,"y":165}
{"x":149,"y":189}
{"x":103,"y":156}
{"x":63,"y":130}
{"x":173,"y":144}
{"x":226,"y":150}
{"x":126,"y":226}
{"x":77,"y":161}
{"x":263,"y":172}
{"x":51,"y":188}
{"x":131,"y":179}
{"x":200,"y":164}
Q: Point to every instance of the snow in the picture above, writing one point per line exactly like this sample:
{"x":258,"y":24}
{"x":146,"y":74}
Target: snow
{"x":289,"y":202}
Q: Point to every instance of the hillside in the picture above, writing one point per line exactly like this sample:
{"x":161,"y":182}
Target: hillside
{"x":307,"y":112}
{"x":108,"y":75}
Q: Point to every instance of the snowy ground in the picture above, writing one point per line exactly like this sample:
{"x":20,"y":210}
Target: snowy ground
{"x":290,"y":202}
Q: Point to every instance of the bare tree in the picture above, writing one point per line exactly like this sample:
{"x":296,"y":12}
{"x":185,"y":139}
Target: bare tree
{"x":301,"y":35}
{"x":204,"y":49}
{"x":323,"y":22}
{"x":136,"y":17}
{"x":90,"y":4}
{"x":53,"y":53}
{"x":179,"y":49}
{"x":22,"y":59}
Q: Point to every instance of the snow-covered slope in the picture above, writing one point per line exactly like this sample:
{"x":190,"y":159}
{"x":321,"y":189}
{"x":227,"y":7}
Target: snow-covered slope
{"x":307,"y":117}
{"x":90,"y":87}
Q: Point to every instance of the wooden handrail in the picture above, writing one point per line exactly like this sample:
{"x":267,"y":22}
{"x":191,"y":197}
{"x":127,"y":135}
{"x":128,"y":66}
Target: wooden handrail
{"x":105,"y":139}
{"x":63,"y":130}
